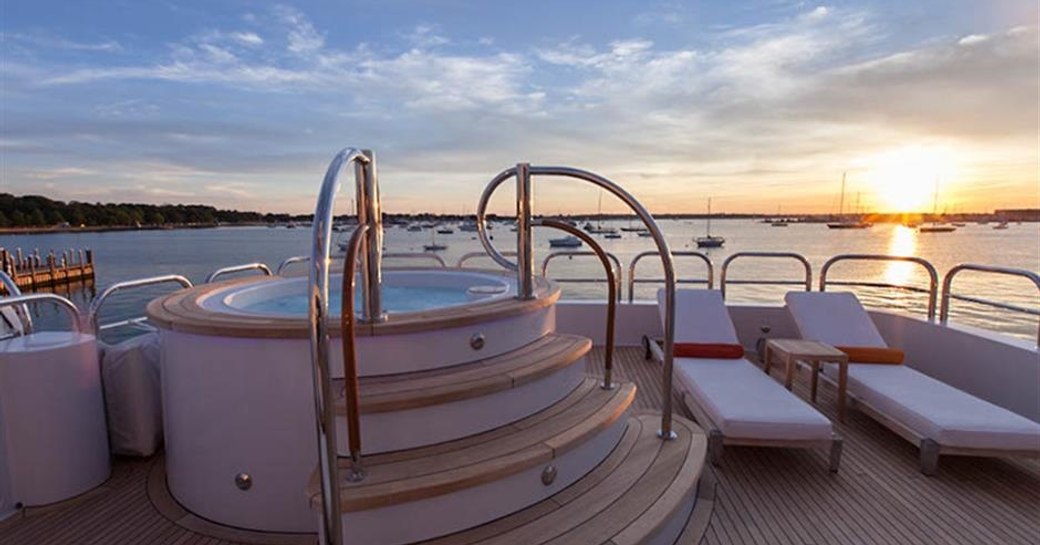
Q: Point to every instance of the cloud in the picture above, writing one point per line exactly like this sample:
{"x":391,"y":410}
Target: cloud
{"x":303,"y":37}
{"x":247,"y":38}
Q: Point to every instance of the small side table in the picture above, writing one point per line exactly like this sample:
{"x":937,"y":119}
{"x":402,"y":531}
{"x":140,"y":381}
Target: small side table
{"x":791,"y":351}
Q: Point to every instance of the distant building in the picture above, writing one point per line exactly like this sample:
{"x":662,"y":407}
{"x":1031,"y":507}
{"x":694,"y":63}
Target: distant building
{"x":1018,"y":214}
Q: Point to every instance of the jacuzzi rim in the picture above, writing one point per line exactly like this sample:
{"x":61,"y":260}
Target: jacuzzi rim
{"x":181,"y":311}
{"x":222,"y":301}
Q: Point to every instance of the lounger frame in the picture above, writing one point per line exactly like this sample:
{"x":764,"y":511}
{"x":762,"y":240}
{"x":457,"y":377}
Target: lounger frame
{"x":717,"y":440}
{"x":930,"y":448}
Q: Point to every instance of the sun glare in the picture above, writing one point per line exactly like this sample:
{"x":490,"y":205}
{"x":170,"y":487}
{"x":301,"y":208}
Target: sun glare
{"x":905,"y":179}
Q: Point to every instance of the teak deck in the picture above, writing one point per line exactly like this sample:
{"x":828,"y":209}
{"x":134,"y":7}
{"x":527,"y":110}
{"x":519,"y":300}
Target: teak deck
{"x":762,"y":496}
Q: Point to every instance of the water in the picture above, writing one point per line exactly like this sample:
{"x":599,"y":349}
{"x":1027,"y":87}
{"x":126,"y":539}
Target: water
{"x":395,"y":299}
{"x":196,"y":253}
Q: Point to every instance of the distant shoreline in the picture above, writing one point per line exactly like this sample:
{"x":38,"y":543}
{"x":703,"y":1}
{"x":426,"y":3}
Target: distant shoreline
{"x":108,"y":228}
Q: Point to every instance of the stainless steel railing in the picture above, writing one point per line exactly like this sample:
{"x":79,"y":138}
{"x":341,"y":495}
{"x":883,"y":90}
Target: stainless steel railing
{"x":944,"y":311}
{"x":471,"y":256}
{"x":63,"y":303}
{"x":614,"y":263}
{"x":632,"y":280}
{"x":95,"y":306}
{"x":524,"y":265}
{"x":417,"y":255}
{"x":289,"y":261}
{"x":368,"y":213}
{"x":612,"y":268}
{"x":21,"y":311}
{"x":348,"y":334}
{"x":239,"y":268}
{"x":807,"y":282}
{"x":933,"y":276}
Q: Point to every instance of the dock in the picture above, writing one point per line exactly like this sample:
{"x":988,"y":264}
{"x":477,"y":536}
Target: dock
{"x":35,"y":272}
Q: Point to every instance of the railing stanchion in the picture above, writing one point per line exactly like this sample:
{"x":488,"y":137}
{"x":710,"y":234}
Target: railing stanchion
{"x":807,"y":282}
{"x":370,"y":213}
{"x":933,"y":276}
{"x":524,"y":246}
{"x":95,"y":306}
{"x":632,"y":281}
{"x":239,"y":268}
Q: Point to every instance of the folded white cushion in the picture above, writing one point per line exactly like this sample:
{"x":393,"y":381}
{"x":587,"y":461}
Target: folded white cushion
{"x":746,"y":403}
{"x":835,"y":318}
{"x":937,"y":410}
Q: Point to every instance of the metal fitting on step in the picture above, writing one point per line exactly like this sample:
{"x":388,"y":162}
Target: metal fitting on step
{"x":548,"y":475}
{"x":243,"y":481}
{"x":476,"y":342}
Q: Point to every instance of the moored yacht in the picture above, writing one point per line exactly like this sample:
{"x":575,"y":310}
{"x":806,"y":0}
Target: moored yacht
{"x":475,"y":406}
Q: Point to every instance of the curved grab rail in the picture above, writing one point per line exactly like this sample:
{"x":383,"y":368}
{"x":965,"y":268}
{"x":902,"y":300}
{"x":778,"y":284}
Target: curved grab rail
{"x":613,"y":290}
{"x":289,"y":261}
{"x":615,"y":263}
{"x":525,"y":259}
{"x":944,"y":309}
{"x":62,"y":302}
{"x":933,"y":276}
{"x":367,"y":185}
{"x":348,"y":327}
{"x":22,"y":311}
{"x":782,"y":255}
{"x":632,"y":281}
{"x":477,"y":255}
{"x":95,"y":306}
{"x":239,"y":268}
{"x":417,"y":255}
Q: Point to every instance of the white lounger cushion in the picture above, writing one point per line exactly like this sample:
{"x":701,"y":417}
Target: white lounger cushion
{"x":743,"y":401}
{"x":746,"y":403}
{"x":835,"y":318}
{"x":937,"y":410}
{"x":930,"y":407}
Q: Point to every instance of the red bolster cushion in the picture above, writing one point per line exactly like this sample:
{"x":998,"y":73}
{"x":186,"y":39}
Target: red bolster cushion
{"x":873,"y":354}
{"x":708,"y":350}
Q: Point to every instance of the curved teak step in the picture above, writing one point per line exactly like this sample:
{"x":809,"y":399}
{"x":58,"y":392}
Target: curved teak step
{"x":643,"y":493}
{"x":424,"y":408}
{"x":448,"y":487}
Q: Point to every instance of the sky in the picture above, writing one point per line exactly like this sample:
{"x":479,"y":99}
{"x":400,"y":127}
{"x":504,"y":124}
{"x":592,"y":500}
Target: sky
{"x":761,"y":105}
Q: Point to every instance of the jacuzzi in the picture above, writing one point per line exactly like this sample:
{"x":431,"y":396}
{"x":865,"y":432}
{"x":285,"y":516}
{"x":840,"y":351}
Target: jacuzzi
{"x":237,"y":385}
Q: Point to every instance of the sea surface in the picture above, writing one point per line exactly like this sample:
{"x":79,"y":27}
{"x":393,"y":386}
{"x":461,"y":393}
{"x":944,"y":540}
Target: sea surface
{"x":195,"y":254}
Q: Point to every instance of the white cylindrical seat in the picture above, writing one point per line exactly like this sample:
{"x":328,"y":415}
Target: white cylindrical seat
{"x":52,"y":417}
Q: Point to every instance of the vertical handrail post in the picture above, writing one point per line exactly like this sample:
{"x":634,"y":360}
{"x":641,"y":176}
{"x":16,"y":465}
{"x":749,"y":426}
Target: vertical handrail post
{"x":318,"y":327}
{"x":370,"y":213}
{"x":524,"y":245}
{"x":348,"y":323}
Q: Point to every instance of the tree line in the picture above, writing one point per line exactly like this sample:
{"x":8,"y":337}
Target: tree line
{"x":38,"y":211}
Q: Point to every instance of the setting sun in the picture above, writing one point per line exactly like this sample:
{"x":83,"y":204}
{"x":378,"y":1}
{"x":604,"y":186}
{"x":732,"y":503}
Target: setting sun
{"x":905,"y":178}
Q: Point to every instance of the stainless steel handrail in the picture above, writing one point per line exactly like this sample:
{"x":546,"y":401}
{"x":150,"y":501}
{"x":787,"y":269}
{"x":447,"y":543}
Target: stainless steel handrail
{"x":944,"y":309}
{"x":525,"y":266}
{"x":477,"y":255}
{"x":632,"y":281}
{"x":289,"y":261}
{"x":22,"y":311}
{"x":783,"y":255}
{"x":417,"y":255}
{"x":62,"y":302}
{"x":348,"y":334}
{"x":615,"y":264}
{"x":318,"y":310}
{"x":609,"y":263}
{"x":96,"y":304}
{"x":933,"y":276}
{"x":239,"y":268}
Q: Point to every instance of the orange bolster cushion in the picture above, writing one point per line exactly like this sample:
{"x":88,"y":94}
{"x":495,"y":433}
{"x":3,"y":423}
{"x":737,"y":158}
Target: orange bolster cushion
{"x":873,"y":354}
{"x":708,"y":350}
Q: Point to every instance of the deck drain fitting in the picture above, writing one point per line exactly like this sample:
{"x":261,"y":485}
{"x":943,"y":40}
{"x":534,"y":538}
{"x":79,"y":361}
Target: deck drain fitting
{"x":476,"y":342}
{"x":243,"y":481}
{"x":548,"y":475}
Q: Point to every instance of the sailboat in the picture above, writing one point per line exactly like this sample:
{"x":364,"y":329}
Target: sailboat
{"x":434,"y":246}
{"x":934,"y":226}
{"x":598,"y":229}
{"x":709,"y":241}
{"x":842,"y":223}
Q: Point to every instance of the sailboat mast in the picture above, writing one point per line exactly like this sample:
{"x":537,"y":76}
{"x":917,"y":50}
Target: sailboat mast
{"x":841,"y":201}
{"x":709,"y":217}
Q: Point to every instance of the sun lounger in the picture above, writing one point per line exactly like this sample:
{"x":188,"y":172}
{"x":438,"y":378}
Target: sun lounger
{"x":937,"y":417}
{"x":733,"y":398}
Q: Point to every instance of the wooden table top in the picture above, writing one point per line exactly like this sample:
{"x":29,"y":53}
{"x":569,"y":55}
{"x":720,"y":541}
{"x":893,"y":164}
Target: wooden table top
{"x":806,"y":349}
